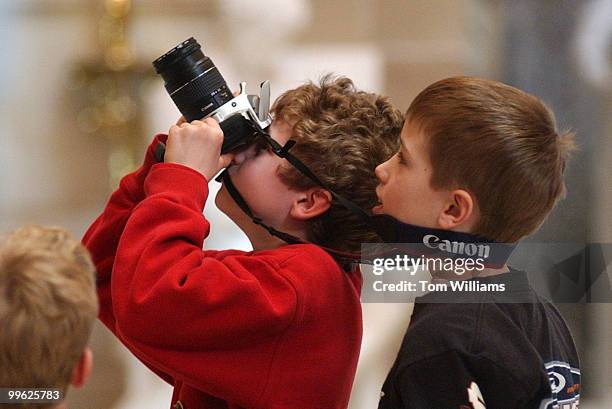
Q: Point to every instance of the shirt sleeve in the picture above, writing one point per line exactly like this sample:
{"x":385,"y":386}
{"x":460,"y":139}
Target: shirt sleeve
{"x":203,"y":317}
{"x":455,"y":380}
{"x":102,"y":237}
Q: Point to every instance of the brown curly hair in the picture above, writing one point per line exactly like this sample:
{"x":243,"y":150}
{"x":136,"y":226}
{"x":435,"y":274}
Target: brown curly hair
{"x":341,"y":134}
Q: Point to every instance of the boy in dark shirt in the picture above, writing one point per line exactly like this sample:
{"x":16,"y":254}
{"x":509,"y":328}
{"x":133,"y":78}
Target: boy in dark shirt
{"x":480,"y":158}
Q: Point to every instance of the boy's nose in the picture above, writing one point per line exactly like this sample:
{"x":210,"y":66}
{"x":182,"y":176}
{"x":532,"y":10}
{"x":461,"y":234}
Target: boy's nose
{"x":381,"y":173}
{"x":238,"y":158}
{"x":243,"y":155}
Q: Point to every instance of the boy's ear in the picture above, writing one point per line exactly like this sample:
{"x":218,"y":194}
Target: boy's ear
{"x":311,"y":203}
{"x":82,"y":369}
{"x":459,"y":211}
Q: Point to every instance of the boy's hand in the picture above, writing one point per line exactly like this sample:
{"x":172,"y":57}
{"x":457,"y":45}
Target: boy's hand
{"x":197,"y":145}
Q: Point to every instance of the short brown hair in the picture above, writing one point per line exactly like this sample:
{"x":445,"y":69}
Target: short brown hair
{"x":48,"y":305}
{"x":500,"y":144}
{"x":342,"y":134}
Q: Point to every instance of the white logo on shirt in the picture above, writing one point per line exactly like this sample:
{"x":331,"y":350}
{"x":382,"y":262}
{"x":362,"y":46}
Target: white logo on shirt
{"x":475,"y":396}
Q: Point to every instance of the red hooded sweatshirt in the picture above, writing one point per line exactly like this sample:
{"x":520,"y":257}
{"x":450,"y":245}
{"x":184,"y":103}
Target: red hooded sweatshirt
{"x":228,"y":329}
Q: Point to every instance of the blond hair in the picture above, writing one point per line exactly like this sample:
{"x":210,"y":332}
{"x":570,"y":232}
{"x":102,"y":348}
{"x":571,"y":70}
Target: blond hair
{"x":500,"y":144}
{"x":342,"y":134}
{"x":48,"y":305}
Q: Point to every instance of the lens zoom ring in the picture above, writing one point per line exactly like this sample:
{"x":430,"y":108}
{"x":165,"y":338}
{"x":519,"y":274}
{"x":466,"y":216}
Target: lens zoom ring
{"x":204,"y":85}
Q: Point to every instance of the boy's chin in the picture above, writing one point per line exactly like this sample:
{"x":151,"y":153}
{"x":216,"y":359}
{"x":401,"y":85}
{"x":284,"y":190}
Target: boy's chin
{"x":226,"y":204}
{"x":223,"y":200}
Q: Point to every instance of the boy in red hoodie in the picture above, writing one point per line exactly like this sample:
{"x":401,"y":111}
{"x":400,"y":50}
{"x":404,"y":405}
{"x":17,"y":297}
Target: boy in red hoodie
{"x":276,"y":327}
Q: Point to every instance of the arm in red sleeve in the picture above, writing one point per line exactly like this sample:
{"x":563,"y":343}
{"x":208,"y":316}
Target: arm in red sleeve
{"x":201,"y":317}
{"x":102,"y":237}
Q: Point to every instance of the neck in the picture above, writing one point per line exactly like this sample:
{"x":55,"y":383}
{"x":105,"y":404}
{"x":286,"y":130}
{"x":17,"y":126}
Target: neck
{"x":265,"y":243}
{"x":261,"y":239}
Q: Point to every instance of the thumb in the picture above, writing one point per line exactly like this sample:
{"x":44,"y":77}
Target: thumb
{"x":225,"y":160}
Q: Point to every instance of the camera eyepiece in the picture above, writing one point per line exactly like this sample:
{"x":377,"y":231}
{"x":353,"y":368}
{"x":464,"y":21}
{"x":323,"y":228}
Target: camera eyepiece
{"x":192,"y":80}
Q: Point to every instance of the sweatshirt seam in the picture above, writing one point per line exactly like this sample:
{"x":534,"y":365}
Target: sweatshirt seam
{"x":167,"y":166}
{"x":129,"y":190}
{"x":298,"y":314}
{"x":282,"y":336}
{"x":132,"y":185}
{"x":478,"y":328}
{"x":176,"y":196}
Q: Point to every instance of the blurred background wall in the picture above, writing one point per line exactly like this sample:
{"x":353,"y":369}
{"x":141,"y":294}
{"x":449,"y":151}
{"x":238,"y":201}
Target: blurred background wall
{"x":79,"y":103}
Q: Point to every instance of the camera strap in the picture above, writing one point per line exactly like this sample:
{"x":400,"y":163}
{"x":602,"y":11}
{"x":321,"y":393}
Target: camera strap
{"x":235,"y":194}
{"x":286,"y":237}
{"x":282,"y":151}
{"x":419,"y":239}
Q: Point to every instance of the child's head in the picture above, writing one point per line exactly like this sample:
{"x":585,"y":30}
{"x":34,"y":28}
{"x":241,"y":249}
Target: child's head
{"x":341,"y":134}
{"x":48,"y":305}
{"x":478,"y":156}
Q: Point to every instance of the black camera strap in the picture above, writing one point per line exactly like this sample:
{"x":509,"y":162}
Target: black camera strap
{"x":235,"y":194}
{"x":283,"y":152}
{"x":386,"y":227}
{"x":390,"y":230}
{"x":286,"y":237}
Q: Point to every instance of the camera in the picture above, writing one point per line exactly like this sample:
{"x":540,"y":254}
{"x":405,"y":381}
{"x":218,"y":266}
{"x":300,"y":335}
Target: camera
{"x":199,"y":91}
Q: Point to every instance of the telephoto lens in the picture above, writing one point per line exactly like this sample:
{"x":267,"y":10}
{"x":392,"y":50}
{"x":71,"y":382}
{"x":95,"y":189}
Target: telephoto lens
{"x":193,"y":81}
{"x":198,"y":89}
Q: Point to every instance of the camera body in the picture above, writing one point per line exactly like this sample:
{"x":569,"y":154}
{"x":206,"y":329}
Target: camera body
{"x":199,"y":91}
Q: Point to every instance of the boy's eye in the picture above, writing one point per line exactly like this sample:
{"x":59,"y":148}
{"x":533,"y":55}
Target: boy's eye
{"x":261,"y":146}
{"x":257,"y":146}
